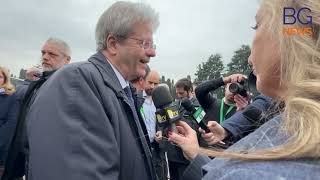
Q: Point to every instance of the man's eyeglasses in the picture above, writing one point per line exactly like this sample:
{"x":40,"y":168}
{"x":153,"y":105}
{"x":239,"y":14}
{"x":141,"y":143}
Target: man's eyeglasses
{"x":145,"y":44}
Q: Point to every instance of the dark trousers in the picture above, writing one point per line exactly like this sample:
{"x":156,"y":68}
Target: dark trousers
{"x":176,"y":170}
{"x":159,"y":161}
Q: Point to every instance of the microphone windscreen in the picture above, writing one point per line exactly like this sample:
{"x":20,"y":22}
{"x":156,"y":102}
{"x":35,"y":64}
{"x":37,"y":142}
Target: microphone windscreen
{"x":252,"y":79}
{"x":187,"y":104}
{"x":161,"y":96}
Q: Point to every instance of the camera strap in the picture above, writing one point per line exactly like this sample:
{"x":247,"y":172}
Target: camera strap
{"x":222,"y":115}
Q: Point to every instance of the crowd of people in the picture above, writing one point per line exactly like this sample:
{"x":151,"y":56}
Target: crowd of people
{"x":97,"y":120}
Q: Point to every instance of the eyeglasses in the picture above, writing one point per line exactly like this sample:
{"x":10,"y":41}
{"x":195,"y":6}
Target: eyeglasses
{"x":145,"y":44}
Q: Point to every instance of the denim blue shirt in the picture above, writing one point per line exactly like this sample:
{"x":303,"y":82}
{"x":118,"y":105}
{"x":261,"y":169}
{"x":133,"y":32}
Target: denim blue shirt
{"x":268,"y":135}
{"x":149,"y":111}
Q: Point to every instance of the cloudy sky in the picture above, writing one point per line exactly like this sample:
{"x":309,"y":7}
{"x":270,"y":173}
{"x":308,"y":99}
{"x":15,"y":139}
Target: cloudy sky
{"x":190,"y":30}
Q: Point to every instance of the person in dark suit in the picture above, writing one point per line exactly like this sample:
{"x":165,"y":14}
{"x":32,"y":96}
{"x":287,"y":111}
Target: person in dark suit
{"x":89,"y":126}
{"x":54,"y":54}
{"x":9,"y":106}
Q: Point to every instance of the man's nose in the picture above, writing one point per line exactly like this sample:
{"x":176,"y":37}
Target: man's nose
{"x":45,"y":57}
{"x":150,"y":52}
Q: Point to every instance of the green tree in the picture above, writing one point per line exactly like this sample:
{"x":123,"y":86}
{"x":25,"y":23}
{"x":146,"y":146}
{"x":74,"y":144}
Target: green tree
{"x":163,"y":79}
{"x":189,"y":77}
{"x":22,"y":74}
{"x":168,"y":82}
{"x":171,"y":86}
{"x":209,"y":70}
{"x":239,"y":64}
{"x":173,"y":89}
{"x":239,"y":61}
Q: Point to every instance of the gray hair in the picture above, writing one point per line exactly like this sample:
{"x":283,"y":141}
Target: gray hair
{"x":62,"y":44}
{"x":120,"y":18}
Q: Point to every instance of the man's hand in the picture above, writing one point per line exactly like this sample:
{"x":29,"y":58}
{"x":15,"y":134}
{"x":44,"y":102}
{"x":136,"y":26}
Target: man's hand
{"x":217,"y":133}
{"x":158,"y":136}
{"x":31,"y":73}
{"x":234,"y":78}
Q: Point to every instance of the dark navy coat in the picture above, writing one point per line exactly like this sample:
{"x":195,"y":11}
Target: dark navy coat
{"x":9,"y":109}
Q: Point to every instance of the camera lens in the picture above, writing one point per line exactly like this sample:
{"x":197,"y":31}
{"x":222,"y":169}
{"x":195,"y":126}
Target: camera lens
{"x":234,"y":88}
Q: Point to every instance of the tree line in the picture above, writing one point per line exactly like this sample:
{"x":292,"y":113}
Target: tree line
{"x":214,"y":68}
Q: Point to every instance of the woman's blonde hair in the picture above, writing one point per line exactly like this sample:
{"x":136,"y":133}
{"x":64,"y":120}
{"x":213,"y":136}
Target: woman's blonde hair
{"x":8,"y":87}
{"x":300,"y":72}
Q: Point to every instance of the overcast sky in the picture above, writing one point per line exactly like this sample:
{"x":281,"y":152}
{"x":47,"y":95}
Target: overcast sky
{"x":189,"y":32}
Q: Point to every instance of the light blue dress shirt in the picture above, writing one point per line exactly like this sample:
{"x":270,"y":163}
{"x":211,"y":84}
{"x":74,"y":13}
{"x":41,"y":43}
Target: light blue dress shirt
{"x":149,"y":111}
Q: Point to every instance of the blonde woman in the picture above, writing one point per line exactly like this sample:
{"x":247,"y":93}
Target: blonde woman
{"x":8,"y":114}
{"x":287,"y":69}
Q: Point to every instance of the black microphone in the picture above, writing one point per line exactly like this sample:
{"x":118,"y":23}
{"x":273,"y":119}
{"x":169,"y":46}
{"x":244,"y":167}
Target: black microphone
{"x":167,"y":112}
{"x":197,"y":114}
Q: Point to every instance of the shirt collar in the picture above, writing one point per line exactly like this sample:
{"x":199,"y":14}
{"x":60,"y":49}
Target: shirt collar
{"x":122,"y":81}
{"x":225,"y":101}
{"x":144,"y":94}
{"x":148,"y":99}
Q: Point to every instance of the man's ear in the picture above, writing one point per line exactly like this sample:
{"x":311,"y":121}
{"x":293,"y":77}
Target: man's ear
{"x":189,"y":93}
{"x":68,"y":59}
{"x":112,"y":44}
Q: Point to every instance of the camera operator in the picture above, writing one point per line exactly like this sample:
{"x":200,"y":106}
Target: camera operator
{"x":219,"y":110}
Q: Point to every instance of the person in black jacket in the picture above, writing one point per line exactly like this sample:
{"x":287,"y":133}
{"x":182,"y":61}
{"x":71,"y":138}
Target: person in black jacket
{"x":9,"y":106}
{"x":220,"y":109}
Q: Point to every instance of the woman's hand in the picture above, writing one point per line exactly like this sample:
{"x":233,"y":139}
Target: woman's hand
{"x":217,"y":133}
{"x":241,"y":102}
{"x":186,"y":139}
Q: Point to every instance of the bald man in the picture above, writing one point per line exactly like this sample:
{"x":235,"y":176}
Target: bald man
{"x":148,"y":108}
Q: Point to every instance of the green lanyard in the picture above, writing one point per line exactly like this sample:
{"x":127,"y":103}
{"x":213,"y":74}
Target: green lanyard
{"x":222,"y":117}
{"x":142,"y":113}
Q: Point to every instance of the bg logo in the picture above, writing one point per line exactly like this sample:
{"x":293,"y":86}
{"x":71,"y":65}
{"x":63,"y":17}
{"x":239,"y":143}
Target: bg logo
{"x":292,"y":16}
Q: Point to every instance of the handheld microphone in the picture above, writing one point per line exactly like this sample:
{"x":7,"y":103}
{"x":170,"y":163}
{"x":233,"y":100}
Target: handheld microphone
{"x":167,"y":112}
{"x":252,"y":80}
{"x":197,"y":114}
